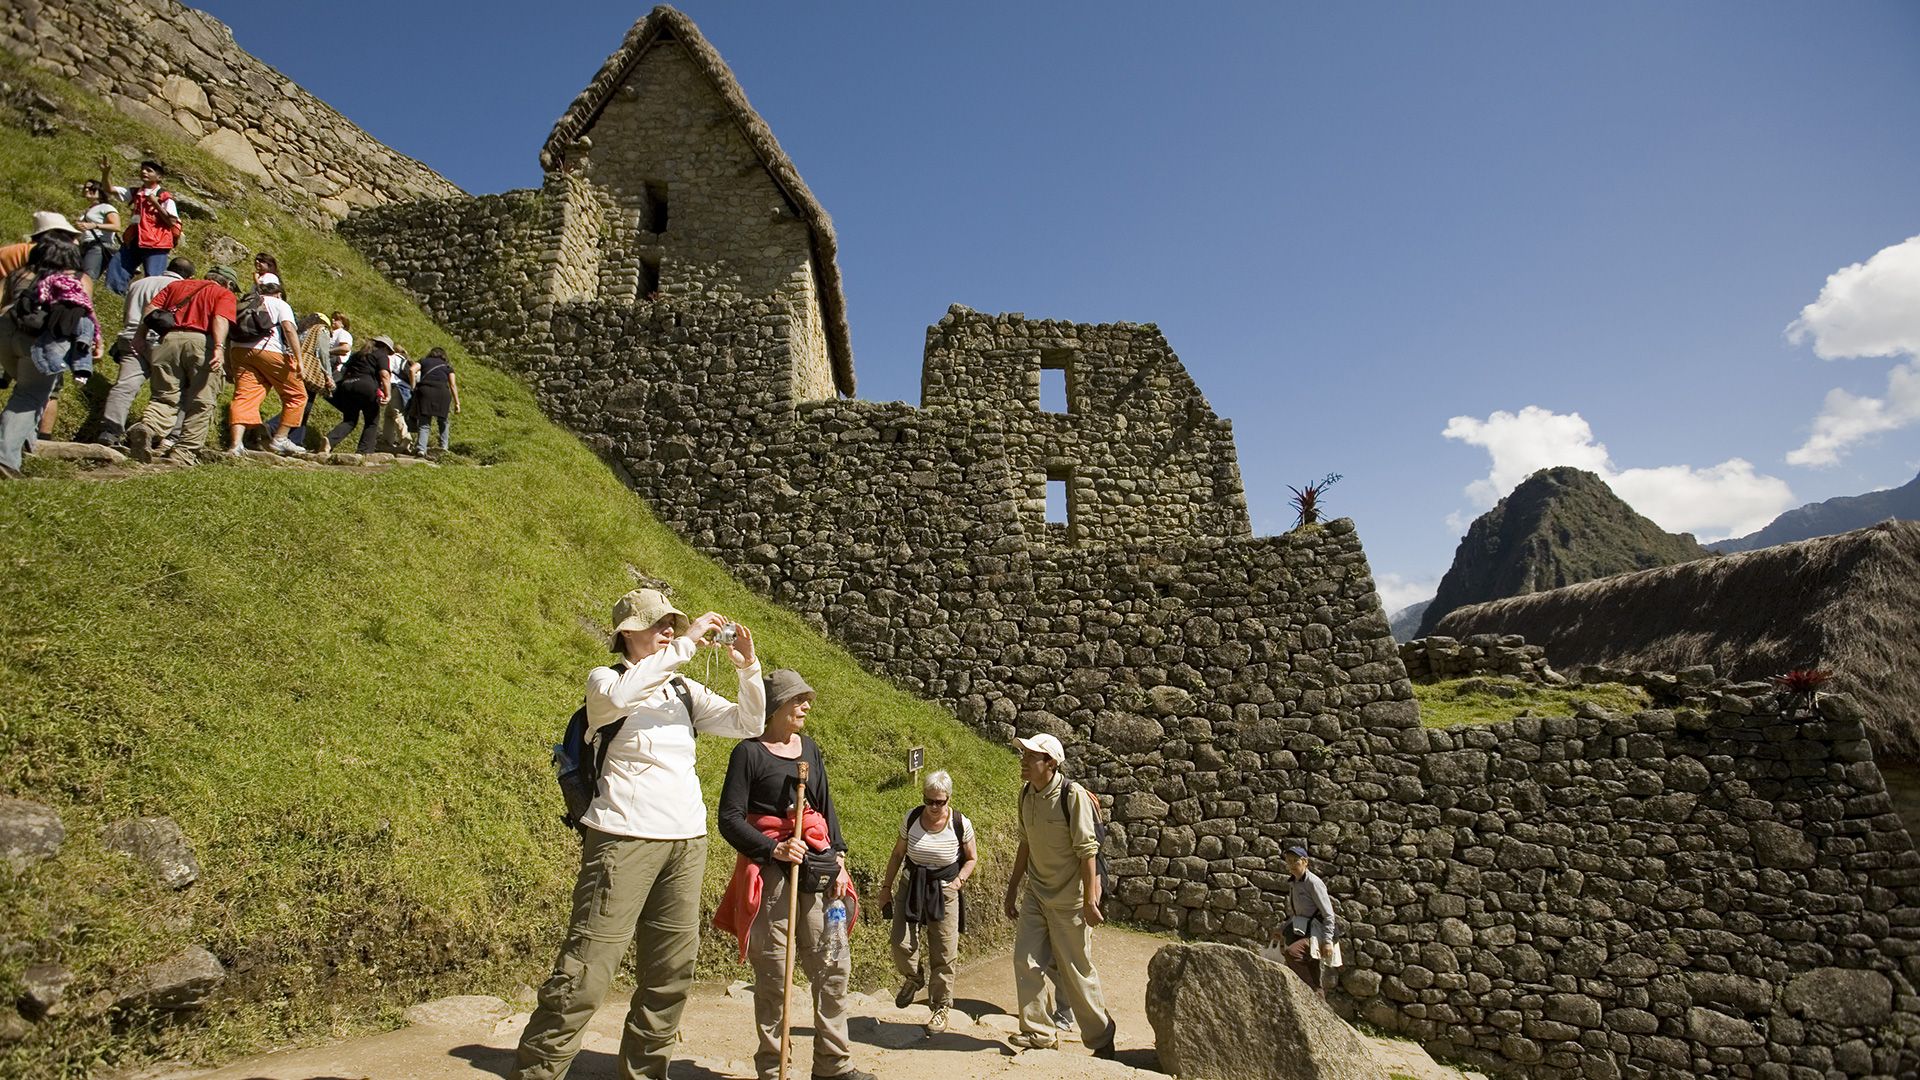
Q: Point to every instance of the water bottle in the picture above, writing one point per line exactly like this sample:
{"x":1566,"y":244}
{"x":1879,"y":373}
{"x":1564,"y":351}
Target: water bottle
{"x":836,"y":932}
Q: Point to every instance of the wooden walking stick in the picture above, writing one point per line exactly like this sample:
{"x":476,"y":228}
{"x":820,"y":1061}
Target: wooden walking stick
{"x":793,"y":919}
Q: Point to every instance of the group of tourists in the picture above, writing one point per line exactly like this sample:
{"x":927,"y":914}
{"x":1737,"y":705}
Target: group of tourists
{"x":790,"y":901}
{"x":184,"y":336}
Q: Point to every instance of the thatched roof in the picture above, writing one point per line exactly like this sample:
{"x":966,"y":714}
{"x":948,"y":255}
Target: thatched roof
{"x":1847,"y":603}
{"x":664,"y":24}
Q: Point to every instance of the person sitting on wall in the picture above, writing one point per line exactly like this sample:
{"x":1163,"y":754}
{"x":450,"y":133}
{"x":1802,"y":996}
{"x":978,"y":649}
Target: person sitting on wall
{"x":1060,"y":905}
{"x":1305,"y":942}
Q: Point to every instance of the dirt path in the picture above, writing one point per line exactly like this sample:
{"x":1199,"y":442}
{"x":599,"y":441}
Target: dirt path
{"x":470,"y":1038}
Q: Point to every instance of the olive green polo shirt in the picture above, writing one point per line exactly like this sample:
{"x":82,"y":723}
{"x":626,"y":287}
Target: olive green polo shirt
{"x":1057,"y":843}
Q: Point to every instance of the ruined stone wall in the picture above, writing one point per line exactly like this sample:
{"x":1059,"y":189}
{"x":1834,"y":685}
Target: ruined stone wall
{"x":1506,"y":655}
{"x":180,"y":70}
{"x":1713,"y":890}
{"x":1142,"y":454}
{"x":1672,"y":894}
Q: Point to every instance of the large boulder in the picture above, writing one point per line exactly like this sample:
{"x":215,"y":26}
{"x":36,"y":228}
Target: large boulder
{"x":159,"y":843}
{"x":1225,"y":1013}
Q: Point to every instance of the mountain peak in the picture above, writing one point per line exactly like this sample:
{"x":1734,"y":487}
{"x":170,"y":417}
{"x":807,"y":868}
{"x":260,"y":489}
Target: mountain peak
{"x":1560,"y":526}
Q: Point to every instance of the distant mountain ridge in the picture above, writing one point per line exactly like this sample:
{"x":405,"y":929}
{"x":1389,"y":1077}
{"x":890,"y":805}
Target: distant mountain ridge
{"x":1843,"y":513}
{"x":1561,"y":526}
{"x":1405,"y":623}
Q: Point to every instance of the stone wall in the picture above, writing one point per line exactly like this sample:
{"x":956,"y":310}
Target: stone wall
{"x":1506,"y":655}
{"x":1678,"y":893}
{"x":180,"y":70}
{"x":1670,"y":894}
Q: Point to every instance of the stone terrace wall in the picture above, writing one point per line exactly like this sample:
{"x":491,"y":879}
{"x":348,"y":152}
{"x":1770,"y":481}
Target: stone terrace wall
{"x":180,"y":70}
{"x":1482,"y":654}
{"x":1672,"y":894}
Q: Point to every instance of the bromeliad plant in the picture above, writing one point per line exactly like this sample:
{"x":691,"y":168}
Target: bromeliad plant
{"x":1306,"y":501}
{"x":1799,"y":687}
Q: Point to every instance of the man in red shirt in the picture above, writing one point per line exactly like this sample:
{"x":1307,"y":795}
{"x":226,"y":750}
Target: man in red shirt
{"x":185,"y":365}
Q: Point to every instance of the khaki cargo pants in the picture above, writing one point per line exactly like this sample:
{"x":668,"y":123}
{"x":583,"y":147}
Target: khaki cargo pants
{"x":942,"y":940}
{"x":767,"y":952}
{"x":183,"y":380}
{"x":1057,"y":936}
{"x":628,"y":888}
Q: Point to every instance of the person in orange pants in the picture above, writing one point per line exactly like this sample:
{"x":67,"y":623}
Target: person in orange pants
{"x":262,"y":361}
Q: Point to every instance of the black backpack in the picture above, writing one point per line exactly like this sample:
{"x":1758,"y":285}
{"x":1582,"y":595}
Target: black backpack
{"x":28,"y":311}
{"x":253,"y":322}
{"x":579,"y":759}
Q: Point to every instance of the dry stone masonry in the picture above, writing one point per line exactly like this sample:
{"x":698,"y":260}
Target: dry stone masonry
{"x":180,"y":70}
{"x":1715,"y":889}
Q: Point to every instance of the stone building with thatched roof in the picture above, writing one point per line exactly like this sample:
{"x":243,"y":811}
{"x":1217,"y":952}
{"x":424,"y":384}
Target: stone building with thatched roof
{"x":1849,"y":604}
{"x":667,"y":182}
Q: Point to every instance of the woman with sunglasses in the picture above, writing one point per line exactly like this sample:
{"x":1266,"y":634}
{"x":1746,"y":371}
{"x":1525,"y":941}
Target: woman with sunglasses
{"x":936,"y":844}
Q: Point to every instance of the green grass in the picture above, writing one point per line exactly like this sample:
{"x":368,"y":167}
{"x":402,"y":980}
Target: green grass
{"x":343,"y":685}
{"x":1489,"y":699}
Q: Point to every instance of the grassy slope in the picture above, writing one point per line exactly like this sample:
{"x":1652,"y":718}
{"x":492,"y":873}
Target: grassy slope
{"x":343,"y":687}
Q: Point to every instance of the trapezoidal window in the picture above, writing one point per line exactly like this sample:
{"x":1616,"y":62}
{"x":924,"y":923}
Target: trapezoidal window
{"x":653,"y":207}
{"x":649,"y":288}
{"x":1060,"y":496}
{"x":1059,"y":381}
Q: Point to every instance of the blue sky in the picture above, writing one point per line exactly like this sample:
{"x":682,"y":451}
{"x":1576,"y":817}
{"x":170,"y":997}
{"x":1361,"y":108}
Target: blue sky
{"x":1405,"y":242}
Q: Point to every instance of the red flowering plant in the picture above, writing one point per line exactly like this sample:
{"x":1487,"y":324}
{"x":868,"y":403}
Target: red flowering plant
{"x":1306,"y":500}
{"x":1798,"y":688}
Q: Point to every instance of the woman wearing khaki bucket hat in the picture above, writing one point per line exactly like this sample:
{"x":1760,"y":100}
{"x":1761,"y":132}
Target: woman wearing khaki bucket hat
{"x":644,"y":838}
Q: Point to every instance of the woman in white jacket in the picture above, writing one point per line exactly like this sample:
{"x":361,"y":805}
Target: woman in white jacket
{"x":643,"y":847}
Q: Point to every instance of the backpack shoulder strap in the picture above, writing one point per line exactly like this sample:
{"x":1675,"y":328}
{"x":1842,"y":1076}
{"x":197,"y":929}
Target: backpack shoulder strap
{"x":913,"y":815}
{"x":680,"y":687}
{"x":603,"y":739}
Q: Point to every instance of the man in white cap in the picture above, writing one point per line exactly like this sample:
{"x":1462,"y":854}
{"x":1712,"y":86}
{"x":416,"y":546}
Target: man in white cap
{"x":1060,"y":905}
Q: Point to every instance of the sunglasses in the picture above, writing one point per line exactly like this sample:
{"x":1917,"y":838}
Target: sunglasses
{"x":936,"y":803}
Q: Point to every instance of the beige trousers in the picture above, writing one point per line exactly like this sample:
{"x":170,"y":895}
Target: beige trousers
{"x":183,"y":379}
{"x":1047,"y":935}
{"x":942,"y":941}
{"x":767,"y":952}
{"x":627,"y":888}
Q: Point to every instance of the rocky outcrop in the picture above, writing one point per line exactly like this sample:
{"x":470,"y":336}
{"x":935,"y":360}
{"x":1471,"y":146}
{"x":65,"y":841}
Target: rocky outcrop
{"x":1227,"y":1014}
{"x":159,"y":843}
{"x":180,"y":70}
{"x":180,"y":983}
{"x":29,"y":832}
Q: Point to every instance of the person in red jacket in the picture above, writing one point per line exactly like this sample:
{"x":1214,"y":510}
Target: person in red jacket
{"x":185,"y":365}
{"x":149,"y":241}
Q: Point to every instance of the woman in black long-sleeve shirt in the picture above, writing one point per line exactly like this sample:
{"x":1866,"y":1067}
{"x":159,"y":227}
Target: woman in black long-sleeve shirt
{"x":762,"y":777}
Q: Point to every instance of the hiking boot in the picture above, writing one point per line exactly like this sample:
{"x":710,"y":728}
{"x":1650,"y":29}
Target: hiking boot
{"x":286,"y":446}
{"x":937,"y":1023}
{"x":8,"y":472}
{"x":907,"y":989}
{"x":1063,"y":1018}
{"x":850,"y":1074}
{"x":1027,"y":1040}
{"x":1108,"y":1049}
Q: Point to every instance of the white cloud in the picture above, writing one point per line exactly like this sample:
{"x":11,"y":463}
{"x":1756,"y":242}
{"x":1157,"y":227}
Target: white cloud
{"x":1728,"y":499}
{"x":1867,"y":309}
{"x":1398,"y":591}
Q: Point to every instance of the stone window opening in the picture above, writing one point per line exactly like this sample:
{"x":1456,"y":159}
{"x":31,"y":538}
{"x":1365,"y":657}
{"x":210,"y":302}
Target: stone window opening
{"x":653,"y":207}
{"x":1059,"y":381}
{"x":649,"y":277}
{"x":1060,"y":508}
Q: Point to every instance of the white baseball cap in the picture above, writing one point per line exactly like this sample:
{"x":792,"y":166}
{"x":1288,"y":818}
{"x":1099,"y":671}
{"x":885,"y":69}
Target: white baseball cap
{"x":1044,"y":744}
{"x":265,"y":280}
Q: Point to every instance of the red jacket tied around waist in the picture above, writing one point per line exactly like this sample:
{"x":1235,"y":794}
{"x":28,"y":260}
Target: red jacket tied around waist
{"x":741,"y":902}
